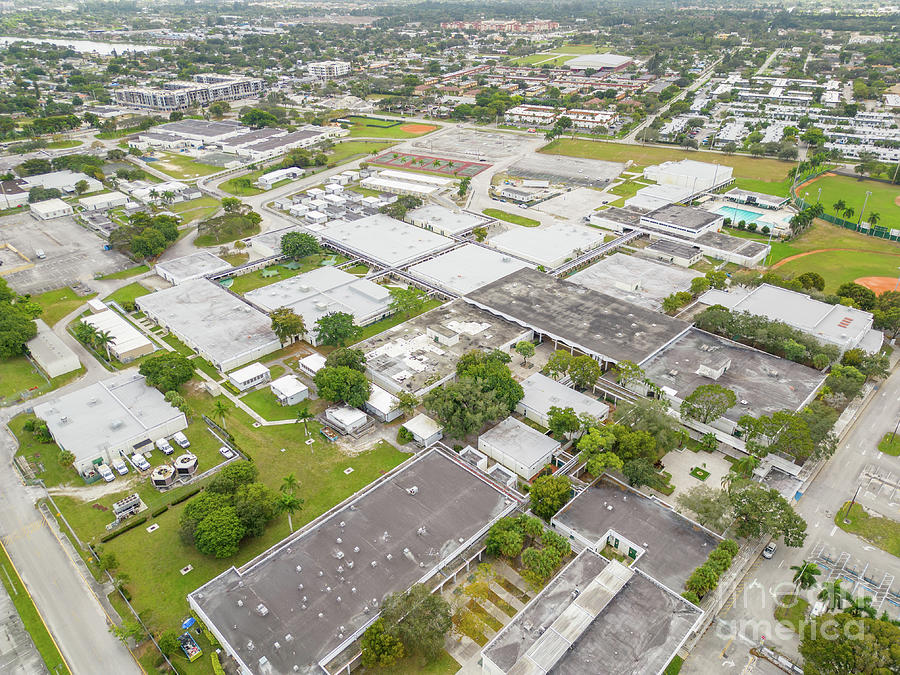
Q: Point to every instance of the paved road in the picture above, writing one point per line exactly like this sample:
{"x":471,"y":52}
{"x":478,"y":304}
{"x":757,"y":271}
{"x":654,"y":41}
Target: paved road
{"x":18,"y":655}
{"x":725,"y":646}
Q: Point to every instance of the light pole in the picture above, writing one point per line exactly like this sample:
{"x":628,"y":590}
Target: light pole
{"x":865,"y":201}
{"x":819,"y":198}
{"x":898,"y":281}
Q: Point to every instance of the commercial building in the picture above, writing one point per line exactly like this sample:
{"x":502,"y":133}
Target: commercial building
{"x":327,"y":70}
{"x":762,"y":383}
{"x":518,"y":447}
{"x":250,"y":376}
{"x":193,"y":266}
{"x":683,"y":220}
{"x":382,"y":405}
{"x":606,"y":328}
{"x":690,"y":174}
{"x":102,"y":202}
{"x":64,"y":181}
{"x":323,"y":291}
{"x":421,"y":354}
{"x":464,"y":269}
{"x":181,"y":95}
{"x":839,"y":325}
{"x":634,"y":279}
{"x":595,"y":616}
{"x":674,"y":252}
{"x":50,"y":208}
{"x":445,"y":221}
{"x":102,"y":421}
{"x":127,"y":342}
{"x":289,"y":390}
{"x":53,"y":355}
{"x":219,"y":326}
{"x":297,"y":606}
{"x":543,"y":393}
{"x":601,"y":62}
{"x":549,"y":247}
{"x":384,"y":240}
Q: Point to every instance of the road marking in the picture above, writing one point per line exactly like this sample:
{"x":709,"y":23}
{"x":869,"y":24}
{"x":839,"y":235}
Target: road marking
{"x":725,"y":648}
{"x":781,"y":564}
{"x":833,"y":530}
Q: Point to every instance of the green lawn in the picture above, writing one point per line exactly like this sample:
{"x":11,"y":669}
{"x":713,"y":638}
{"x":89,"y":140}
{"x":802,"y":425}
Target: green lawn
{"x":514,"y":218}
{"x":674,"y":666}
{"x":394,"y":320}
{"x":235,"y":259}
{"x":780,"y":249}
{"x":558,"y":56}
{"x":263,"y":401}
{"x":60,"y":303}
{"x":18,"y":374}
{"x":374,"y":129}
{"x":127,"y":293}
{"x":763,"y":170}
{"x":182,"y":166}
{"x":890,"y":445}
{"x":44,"y":454}
{"x":126,"y":274}
{"x":63,"y":145}
{"x":254,"y":280}
{"x":30,"y":616}
{"x":444,"y":664}
{"x":231,"y":187}
{"x":838,"y":267}
{"x":853,"y":192}
{"x":348,"y":150}
{"x":791,"y":612}
{"x":178,"y":345}
{"x":195,"y":209}
{"x":883,"y":532}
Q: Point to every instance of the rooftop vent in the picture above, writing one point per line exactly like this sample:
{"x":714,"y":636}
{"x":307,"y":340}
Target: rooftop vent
{"x":261,"y":609}
{"x":413,"y":490}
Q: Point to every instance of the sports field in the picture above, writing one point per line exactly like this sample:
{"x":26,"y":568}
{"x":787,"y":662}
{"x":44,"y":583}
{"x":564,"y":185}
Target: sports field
{"x":181,"y":166}
{"x":371,"y":127}
{"x":438,"y":165}
{"x":884,"y":200}
{"x":759,"y":169}
{"x":558,"y":56}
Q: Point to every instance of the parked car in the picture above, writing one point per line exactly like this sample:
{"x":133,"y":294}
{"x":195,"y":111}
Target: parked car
{"x":227,"y":453}
{"x":106,"y":472}
{"x":40,"y":253}
{"x":769,"y":550}
{"x":138,"y":460}
{"x":164,"y":446}
{"x":181,"y":440}
{"x":120,"y":466}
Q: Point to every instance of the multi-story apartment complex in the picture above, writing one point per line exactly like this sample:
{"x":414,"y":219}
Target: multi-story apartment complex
{"x":326,"y":70}
{"x":181,"y":95}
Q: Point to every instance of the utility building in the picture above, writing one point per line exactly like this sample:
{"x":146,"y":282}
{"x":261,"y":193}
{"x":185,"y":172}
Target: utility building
{"x":518,"y":447}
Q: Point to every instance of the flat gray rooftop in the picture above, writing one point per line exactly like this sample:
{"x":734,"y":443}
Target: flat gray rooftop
{"x":636,"y":633}
{"x":199,"y":127}
{"x":763,"y":383}
{"x":633,"y":279}
{"x":444,"y":219}
{"x":192,"y":266}
{"x":571,"y":170}
{"x":586,"y":319}
{"x":320,"y":586}
{"x":272,"y":238}
{"x":466,"y":268}
{"x":631,"y":217}
{"x":542,"y":393}
{"x":518,"y":440}
{"x":685,"y":216}
{"x":673,"y":546}
{"x":677,"y":248}
{"x":385,"y":240}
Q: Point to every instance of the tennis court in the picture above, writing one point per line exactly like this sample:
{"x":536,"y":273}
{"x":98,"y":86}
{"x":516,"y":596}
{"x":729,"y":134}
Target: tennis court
{"x":440,"y":165}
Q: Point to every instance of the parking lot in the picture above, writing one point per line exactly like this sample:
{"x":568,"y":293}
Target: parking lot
{"x":574,"y":204}
{"x":571,"y":170}
{"x":72,"y":253}
{"x":481,"y":145}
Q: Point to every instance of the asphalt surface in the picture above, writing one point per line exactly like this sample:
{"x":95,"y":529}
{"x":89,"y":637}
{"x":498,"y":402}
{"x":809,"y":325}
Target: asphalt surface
{"x":18,"y":655}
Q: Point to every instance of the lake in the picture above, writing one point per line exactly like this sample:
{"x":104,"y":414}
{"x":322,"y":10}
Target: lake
{"x":84,"y":46}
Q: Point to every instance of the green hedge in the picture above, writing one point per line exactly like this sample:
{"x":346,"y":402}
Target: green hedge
{"x":185,"y":496}
{"x":130,"y":526}
{"x":216,"y":666}
{"x":162,"y":509}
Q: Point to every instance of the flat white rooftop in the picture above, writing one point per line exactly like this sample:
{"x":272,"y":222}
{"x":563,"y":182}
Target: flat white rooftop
{"x":519,"y":441}
{"x":466,"y":268}
{"x":388,"y":241}
{"x":446,"y":220}
{"x":191,"y":266}
{"x":125,"y":337}
{"x":542,"y":393}
{"x":247,"y":373}
{"x":548,"y":246}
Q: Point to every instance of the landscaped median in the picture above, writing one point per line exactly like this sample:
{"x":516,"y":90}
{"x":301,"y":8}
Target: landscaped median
{"x":890,"y":444}
{"x":881,"y":531}
{"x":511,"y":218}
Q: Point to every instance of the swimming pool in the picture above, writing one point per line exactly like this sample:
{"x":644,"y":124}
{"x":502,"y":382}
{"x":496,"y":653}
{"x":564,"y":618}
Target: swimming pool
{"x":738,"y":214}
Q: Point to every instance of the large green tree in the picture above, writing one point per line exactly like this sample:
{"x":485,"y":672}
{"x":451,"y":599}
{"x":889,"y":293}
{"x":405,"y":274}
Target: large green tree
{"x":464,"y":406}
{"x":548,"y":494}
{"x":418,"y":618}
{"x":847,"y":644}
{"x":16,"y":329}
{"x":167,"y":371}
{"x":219,"y":534}
{"x":407,"y":301}
{"x":491,"y":372}
{"x":379,"y":648}
{"x":341,"y":383}
{"x":297,"y":245}
{"x":345,"y":356}
{"x":761,"y":511}
{"x":286,"y":324}
{"x":336,"y":329}
{"x":707,"y":403}
{"x":256,"y":505}
{"x":584,"y":371}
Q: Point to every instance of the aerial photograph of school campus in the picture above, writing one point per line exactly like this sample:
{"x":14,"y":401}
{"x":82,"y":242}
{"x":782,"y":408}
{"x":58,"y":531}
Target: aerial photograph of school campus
{"x":427,"y":337}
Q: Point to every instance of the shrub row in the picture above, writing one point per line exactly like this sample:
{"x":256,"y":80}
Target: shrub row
{"x":130,"y":526}
{"x":185,"y":496}
{"x":705,"y":578}
{"x":216,"y":666}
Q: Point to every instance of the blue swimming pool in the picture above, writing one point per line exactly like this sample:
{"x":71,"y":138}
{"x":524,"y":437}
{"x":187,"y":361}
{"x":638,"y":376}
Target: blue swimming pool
{"x":738,"y":214}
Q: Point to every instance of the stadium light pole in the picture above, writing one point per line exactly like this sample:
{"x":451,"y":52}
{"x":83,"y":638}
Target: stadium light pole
{"x":865,"y":201}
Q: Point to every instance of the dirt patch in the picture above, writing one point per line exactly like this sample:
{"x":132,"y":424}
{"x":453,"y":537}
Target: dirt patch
{"x":819,"y":250}
{"x":811,"y":181}
{"x":878,"y":284}
{"x":897,"y":200}
{"x":417,"y":128}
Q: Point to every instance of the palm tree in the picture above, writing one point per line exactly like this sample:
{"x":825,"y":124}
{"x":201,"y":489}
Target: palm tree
{"x":154,"y":193}
{"x":289,"y":483}
{"x":220,"y":409}
{"x":861,"y":605}
{"x":746,"y":465}
{"x":848,"y":213}
{"x":833,"y":594}
{"x":805,"y":574}
{"x":168,"y":196}
{"x":102,"y":339}
{"x":304,"y":415}
{"x":289,"y":504}
{"x":839,"y":206}
{"x":874,"y":217}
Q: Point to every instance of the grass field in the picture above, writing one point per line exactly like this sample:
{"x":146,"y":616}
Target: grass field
{"x":40,"y":455}
{"x":514,"y":218}
{"x":263,"y":401}
{"x":254,"y":280}
{"x":890,"y":445}
{"x":195,"y":209}
{"x":759,"y":169}
{"x":231,"y":187}
{"x":126,"y":274}
{"x":853,"y":192}
{"x":58,"y":304}
{"x":394,"y":320}
{"x":364,"y":127}
{"x":839,"y":267}
{"x":17,"y":374}
{"x":32,"y":620}
{"x":127,"y":293}
{"x":444,"y":664}
{"x":558,"y":56}
{"x":883,"y":532}
{"x":181,"y":166}
{"x":792,"y":612}
{"x":63,"y":145}
{"x":349,"y":150}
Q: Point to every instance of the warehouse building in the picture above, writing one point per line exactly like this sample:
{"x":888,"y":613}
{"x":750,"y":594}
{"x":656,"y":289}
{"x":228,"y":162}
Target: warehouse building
{"x":549,"y":247}
{"x":464,"y":269}
{"x":445,"y":221}
{"x":518,"y":447}
{"x":128,"y":343}
{"x":322,"y":291}
{"x":105,"y":420}
{"x":606,"y":328}
{"x":219,"y":326}
{"x":193,"y":266}
{"x":50,"y":208}
{"x":296,"y":607}
{"x":543,"y":393}
{"x":102,"y":202}
{"x":421,"y":354}
{"x":595,"y":616}
{"x":635,"y":280}
{"x":599,"y":62}
{"x":383,"y":240}
{"x":53,"y":355}
{"x":839,"y":325}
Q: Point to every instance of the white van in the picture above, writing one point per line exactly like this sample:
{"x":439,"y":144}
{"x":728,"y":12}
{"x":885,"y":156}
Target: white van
{"x":138,"y":460}
{"x":40,"y":253}
{"x":106,"y":473}
{"x":164,"y":446}
{"x":120,"y":466}
{"x":181,"y":440}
